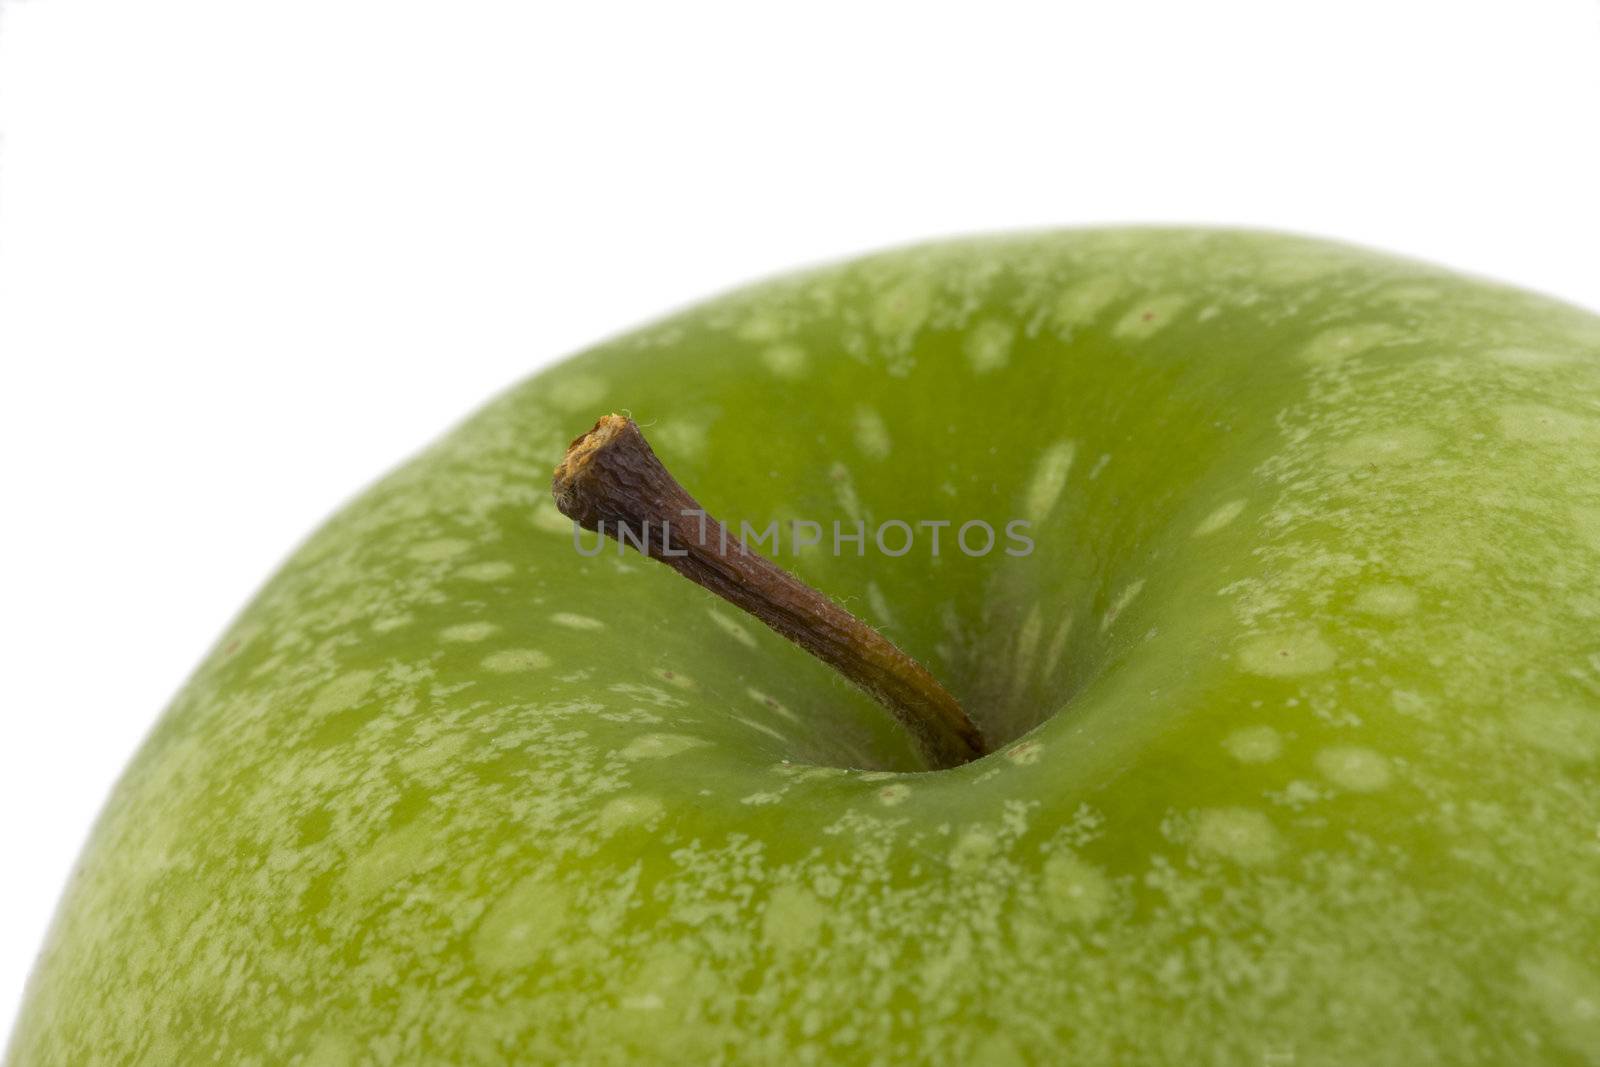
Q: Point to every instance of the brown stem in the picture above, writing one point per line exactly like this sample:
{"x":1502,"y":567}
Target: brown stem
{"x":611,"y":482}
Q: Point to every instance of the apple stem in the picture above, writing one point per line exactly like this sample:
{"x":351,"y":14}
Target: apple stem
{"x":611,"y":482}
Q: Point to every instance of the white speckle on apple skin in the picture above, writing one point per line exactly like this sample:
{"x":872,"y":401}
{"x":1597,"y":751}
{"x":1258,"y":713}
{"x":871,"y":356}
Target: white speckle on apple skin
{"x":1149,"y":317}
{"x":872,"y":434}
{"x":1242,"y":835}
{"x":893,"y":794}
{"x":732,"y":627}
{"x":547,"y":518}
{"x":1419,"y":293}
{"x":1027,"y":646}
{"x":1254,"y":744}
{"x":659,"y":746}
{"x":625,"y":812}
{"x":1567,"y":993}
{"x":442,"y":549}
{"x":1220,"y":517}
{"x":879,"y":605}
{"x":1080,"y":305}
{"x":675,"y":678}
{"x":761,"y":327}
{"x":1355,"y":769}
{"x":988,"y":345}
{"x":1346,"y":342}
{"x":972,"y":849}
{"x":677,"y":438}
{"x":434,"y":757}
{"x":1569,"y":733}
{"x":1058,"y":645}
{"x":1387,"y":598}
{"x":574,"y":621}
{"x":899,"y":313}
{"x":786,"y":361}
{"x":1074,"y":890}
{"x":649,"y":694}
{"x":1025,"y":753}
{"x":577,"y":393}
{"x":521,"y":928}
{"x":1287,"y":655}
{"x":793,"y":918}
{"x":345,"y":691}
{"x":1120,"y":603}
{"x":1587,"y":520}
{"x":1530,"y":358}
{"x":1541,"y":424}
{"x":643,"y":1002}
{"x":515,"y":660}
{"x":397,"y":854}
{"x":763,"y":728}
{"x":466,"y":632}
{"x":844,"y":491}
{"x":1049,"y":479}
{"x":330,"y":1049}
{"x":771,"y":704}
{"x":488,"y":571}
{"x":1406,"y":444}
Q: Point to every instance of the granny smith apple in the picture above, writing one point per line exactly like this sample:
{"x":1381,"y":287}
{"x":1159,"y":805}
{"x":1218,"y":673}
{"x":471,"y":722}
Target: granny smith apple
{"x":1292,"y":711}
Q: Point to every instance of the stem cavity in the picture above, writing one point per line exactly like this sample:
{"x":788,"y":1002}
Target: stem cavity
{"x":611,"y":482}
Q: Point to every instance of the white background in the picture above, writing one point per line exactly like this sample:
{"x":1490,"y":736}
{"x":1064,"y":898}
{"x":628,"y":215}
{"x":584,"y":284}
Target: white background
{"x":252,"y":254}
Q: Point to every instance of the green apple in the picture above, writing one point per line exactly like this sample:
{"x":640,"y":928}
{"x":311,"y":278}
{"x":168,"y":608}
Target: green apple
{"x":1294,"y":704}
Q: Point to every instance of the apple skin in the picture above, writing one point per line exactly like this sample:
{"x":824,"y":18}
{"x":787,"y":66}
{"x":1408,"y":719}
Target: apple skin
{"x":1300,"y":691}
